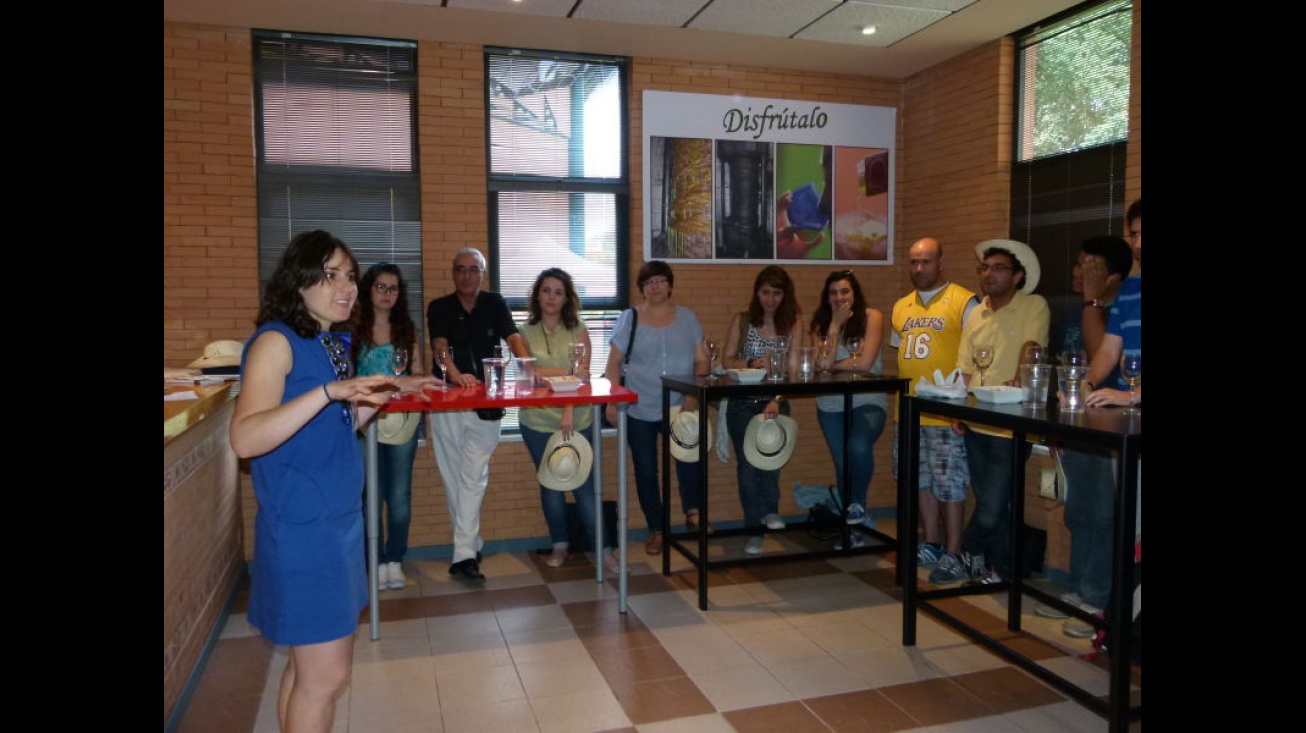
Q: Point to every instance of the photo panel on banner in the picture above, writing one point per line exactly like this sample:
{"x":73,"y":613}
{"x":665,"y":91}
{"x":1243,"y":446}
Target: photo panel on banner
{"x":739,"y":179}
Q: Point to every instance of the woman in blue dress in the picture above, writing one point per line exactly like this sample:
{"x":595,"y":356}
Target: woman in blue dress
{"x":295,"y":419}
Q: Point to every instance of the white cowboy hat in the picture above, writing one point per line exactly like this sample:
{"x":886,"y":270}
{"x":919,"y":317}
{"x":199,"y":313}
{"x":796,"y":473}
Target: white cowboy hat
{"x":566,"y":463}
{"x":769,"y":443}
{"x":684,"y":435}
{"x":219,"y":354}
{"x":397,"y":428}
{"x":1027,"y":258}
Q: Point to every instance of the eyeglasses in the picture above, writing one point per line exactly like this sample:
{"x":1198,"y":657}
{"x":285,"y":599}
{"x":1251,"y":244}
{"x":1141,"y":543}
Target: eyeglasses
{"x":384,"y":289}
{"x":656,"y":281}
{"x":336,"y":352}
{"x":473,"y":270}
{"x":998,"y":268}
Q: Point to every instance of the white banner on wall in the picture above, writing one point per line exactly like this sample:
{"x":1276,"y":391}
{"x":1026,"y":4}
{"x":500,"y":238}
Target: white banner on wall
{"x":732,"y":179}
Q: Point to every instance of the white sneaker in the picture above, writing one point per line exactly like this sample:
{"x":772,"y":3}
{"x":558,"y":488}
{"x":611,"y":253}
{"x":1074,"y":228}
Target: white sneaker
{"x":382,"y":576}
{"x":396,"y":572}
{"x":773,"y":521}
{"x":753,"y":546}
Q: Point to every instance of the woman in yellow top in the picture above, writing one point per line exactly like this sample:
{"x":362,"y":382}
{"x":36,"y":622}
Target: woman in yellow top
{"x":551,"y":328}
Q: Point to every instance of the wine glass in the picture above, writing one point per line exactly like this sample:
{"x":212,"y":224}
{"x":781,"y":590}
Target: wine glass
{"x":398,"y":364}
{"x":713,"y":353}
{"x":823,"y":359}
{"x":578,"y":350}
{"x":854,"y":344}
{"x":441,"y":356}
{"x":983,"y":357}
{"x":1131,"y":368}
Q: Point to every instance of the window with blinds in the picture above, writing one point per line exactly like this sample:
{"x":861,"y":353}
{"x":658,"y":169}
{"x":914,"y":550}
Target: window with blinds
{"x":1068,"y":179}
{"x":1073,"y":75}
{"x":558,"y":184}
{"x":336,"y":149}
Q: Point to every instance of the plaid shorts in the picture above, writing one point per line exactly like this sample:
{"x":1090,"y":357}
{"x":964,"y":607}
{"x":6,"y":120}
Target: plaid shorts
{"x":943,"y":468}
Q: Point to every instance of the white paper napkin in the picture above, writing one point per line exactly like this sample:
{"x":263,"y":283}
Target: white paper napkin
{"x":951,"y":387}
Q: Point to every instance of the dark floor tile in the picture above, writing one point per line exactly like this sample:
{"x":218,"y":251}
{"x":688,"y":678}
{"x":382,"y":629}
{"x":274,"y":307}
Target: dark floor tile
{"x":1007,"y":688}
{"x":763,"y":572}
{"x":785,"y":717}
{"x":524,"y":597}
{"x":649,"y":702}
{"x":865,"y":711}
{"x":632,"y":666}
{"x":227,"y":697}
{"x":936,"y":701}
{"x":600,"y":613}
{"x":402,"y":609}
{"x":647,"y":583}
{"x":604,"y":639}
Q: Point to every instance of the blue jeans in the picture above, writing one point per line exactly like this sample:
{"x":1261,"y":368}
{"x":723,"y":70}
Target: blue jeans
{"x":554,"y":503}
{"x":759,"y":491}
{"x":394,"y":492}
{"x":867,"y":424}
{"x":642,"y":437}
{"x":991,"y":472}
{"x":1090,"y":510}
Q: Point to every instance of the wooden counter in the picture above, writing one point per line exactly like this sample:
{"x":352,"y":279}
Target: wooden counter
{"x":203,"y":532}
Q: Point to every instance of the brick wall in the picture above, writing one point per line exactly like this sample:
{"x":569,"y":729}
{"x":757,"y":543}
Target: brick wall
{"x":953,"y":183}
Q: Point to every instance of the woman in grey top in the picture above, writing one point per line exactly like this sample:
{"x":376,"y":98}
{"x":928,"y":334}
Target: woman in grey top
{"x":668,"y":340}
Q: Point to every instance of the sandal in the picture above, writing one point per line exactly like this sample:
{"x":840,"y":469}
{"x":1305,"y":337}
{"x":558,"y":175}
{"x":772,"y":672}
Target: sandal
{"x":691,"y":522}
{"x":653,"y":545}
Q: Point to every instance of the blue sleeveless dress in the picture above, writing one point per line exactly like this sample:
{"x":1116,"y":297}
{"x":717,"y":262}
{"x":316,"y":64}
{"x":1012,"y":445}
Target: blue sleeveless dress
{"x":309,"y":579}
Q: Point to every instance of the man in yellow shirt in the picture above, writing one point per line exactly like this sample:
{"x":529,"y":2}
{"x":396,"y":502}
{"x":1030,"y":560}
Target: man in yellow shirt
{"x":1009,"y":318}
{"x":926,"y":330}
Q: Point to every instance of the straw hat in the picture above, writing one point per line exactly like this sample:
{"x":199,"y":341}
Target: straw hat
{"x":566,"y":463}
{"x":1027,"y":258}
{"x":219,"y":354}
{"x":684,"y":435}
{"x":397,"y":428}
{"x":769,"y":443}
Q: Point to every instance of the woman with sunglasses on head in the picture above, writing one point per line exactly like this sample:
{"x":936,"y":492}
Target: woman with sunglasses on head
{"x":382,"y":324}
{"x":295,"y":418}
{"x":843,"y":314}
{"x":660,"y":338}
{"x":552,"y":326}
{"x":772,"y":313}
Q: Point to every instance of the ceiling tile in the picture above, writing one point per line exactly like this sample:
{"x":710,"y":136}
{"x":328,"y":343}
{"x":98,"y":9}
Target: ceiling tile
{"x":780,"y":18}
{"x":844,"y":24}
{"x":662,"y":12}
{"x":551,"y":8}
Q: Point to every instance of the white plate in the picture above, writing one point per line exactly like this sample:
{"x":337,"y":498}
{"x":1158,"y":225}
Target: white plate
{"x":563,"y":384}
{"x":1000,"y":394}
{"x":747,"y":376}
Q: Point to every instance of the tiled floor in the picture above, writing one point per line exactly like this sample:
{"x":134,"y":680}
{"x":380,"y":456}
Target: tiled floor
{"x":807,"y":645}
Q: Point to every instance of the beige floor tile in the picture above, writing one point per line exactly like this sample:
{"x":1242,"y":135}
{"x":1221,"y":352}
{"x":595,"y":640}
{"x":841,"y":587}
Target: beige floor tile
{"x":742,"y":686}
{"x":477,"y":688}
{"x":590,"y":710}
{"x":511,"y":715}
{"x":560,"y":676}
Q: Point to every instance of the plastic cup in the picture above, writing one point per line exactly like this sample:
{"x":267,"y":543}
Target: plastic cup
{"x":1072,"y":387}
{"x":775,"y":364}
{"x":1035,"y":381}
{"x":494,"y":369}
{"x":806,"y":362}
{"x":525,"y":374}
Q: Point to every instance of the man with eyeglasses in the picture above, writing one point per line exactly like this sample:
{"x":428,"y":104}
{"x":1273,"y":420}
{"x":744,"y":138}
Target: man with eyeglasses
{"x":468,"y":325}
{"x":1009,"y":318}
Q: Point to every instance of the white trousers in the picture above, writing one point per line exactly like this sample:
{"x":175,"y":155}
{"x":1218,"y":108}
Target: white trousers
{"x":463,"y":445}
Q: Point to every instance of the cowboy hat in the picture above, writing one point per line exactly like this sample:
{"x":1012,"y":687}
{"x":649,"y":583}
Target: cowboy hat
{"x":769,"y":443}
{"x":566,"y":463}
{"x":397,"y":428}
{"x":219,"y":354}
{"x":684,"y":435}
{"x":1022,"y":252}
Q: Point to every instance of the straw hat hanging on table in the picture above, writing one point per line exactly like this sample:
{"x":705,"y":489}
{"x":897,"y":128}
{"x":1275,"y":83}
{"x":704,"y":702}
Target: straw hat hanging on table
{"x":769,"y":442}
{"x":397,"y":428}
{"x":566,"y":463}
{"x":684,"y":435}
{"x":1022,"y":251}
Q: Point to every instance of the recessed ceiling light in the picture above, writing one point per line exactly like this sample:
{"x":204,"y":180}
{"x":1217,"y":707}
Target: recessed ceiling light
{"x":868,"y":30}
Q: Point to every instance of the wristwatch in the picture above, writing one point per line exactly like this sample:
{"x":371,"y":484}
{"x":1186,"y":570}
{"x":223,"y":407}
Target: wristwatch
{"x":1095,"y":303}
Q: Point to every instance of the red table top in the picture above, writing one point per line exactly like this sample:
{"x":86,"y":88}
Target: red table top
{"x":598,"y":391}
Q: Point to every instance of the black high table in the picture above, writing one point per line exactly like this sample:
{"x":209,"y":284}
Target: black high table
{"x":707,"y":390}
{"x":1106,"y":427}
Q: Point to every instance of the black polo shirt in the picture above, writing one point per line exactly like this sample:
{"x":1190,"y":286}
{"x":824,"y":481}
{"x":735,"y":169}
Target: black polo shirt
{"x":473,"y":335}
